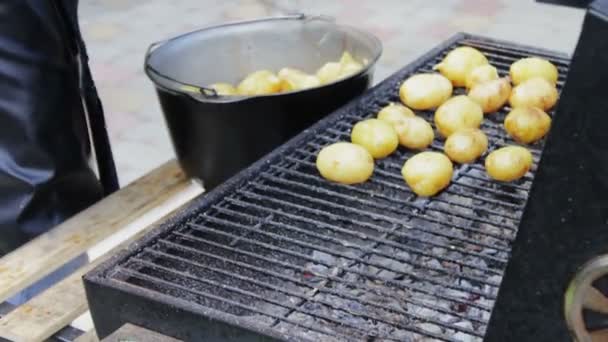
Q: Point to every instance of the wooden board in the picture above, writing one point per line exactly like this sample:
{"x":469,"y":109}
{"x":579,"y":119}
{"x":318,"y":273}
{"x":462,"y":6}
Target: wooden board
{"x":47,"y":313}
{"x":48,"y":252}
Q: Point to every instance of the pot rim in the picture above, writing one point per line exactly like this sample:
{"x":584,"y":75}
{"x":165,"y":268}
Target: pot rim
{"x":205,"y":94}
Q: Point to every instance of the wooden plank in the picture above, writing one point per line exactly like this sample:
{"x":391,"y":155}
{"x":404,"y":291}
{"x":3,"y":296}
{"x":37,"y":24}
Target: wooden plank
{"x":89,"y":336}
{"x":56,"y":307}
{"x":599,"y":336}
{"x":49,"y":251}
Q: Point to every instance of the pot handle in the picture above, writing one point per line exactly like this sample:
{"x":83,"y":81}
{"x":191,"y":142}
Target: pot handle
{"x":581,"y":294}
{"x":185,"y":87}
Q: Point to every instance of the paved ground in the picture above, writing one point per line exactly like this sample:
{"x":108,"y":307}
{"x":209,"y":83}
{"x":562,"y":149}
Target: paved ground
{"x":119,"y":31}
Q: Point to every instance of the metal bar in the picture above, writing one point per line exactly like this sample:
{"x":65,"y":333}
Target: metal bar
{"x":413,"y":275}
{"x":387,"y":218}
{"x":317,"y":300}
{"x":355,"y":285}
{"x":383,"y":196}
{"x":362,"y":236}
{"x":136,"y":274}
{"x":380,"y":228}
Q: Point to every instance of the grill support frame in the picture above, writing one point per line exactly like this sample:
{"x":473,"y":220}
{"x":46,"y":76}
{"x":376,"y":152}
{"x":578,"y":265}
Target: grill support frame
{"x":147,"y":308}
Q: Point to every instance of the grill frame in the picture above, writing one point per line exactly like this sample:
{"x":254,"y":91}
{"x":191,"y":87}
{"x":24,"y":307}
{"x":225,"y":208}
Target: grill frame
{"x":101,"y":288}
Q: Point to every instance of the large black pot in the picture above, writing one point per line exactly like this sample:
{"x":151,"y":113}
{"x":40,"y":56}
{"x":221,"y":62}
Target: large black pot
{"x":217,"y":136}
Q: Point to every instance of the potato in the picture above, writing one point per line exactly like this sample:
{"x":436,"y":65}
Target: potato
{"x":425,"y":91}
{"x":427,"y":173}
{"x":527,"y":124}
{"x":378,"y":137}
{"x":294,"y":79}
{"x":345,"y":163}
{"x":481,"y":74}
{"x":223,"y":89}
{"x":465,"y":146}
{"x":534,"y":92}
{"x":491,"y":95}
{"x":508,"y":163}
{"x":394,"y":113}
{"x":349,"y":65}
{"x":415,"y":133}
{"x":334,"y":71}
{"x":329,"y":72}
{"x":457,"y":113}
{"x":531,"y":67}
{"x":459,"y":62}
{"x":261,"y":82}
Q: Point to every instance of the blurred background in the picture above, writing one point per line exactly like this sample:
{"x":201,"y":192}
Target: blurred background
{"x":118,"y":33}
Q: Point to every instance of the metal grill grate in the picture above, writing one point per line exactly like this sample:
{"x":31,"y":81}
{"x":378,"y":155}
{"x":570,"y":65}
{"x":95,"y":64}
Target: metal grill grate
{"x":284,"y":250}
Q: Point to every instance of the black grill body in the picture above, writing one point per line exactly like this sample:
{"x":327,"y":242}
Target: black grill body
{"x":565,"y":221}
{"x":278,"y":253}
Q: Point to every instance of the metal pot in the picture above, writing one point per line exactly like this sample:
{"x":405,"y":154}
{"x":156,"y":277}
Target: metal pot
{"x":216,"y":136}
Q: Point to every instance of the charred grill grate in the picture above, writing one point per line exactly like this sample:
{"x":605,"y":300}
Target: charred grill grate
{"x":281,"y":250}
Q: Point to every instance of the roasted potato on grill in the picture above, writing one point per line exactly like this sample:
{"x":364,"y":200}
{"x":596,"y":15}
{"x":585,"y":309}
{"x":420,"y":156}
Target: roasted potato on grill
{"x":458,"y":64}
{"x":466,"y":146}
{"x":527,"y":124}
{"x":481,"y":74}
{"x":415,"y":133}
{"x":508,"y":163}
{"x":427,"y":173}
{"x":457,"y":113}
{"x":534,"y":92}
{"x":531,"y":67}
{"x":425,"y":91}
{"x":491,"y":95}
{"x":259,"y":83}
{"x":395,"y":113}
{"x":345,"y":163}
{"x":378,"y":137}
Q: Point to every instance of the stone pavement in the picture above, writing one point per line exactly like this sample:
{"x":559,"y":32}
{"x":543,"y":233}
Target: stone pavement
{"x":118,"y":33}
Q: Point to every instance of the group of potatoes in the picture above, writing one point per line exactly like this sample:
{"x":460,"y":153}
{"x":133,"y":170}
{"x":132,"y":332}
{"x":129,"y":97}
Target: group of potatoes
{"x":457,"y":119}
{"x":264,"y":82}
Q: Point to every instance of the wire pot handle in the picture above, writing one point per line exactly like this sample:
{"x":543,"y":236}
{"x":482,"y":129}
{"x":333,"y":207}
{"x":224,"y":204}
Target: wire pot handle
{"x":206,"y":91}
{"x":577,"y":296}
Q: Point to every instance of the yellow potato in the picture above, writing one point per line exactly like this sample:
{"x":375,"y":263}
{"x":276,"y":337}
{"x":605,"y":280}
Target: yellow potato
{"x":415,"y":133}
{"x":491,"y":95}
{"x":531,"y":67}
{"x":223,"y":88}
{"x":425,"y":91}
{"x":457,"y":113}
{"x":481,"y":74}
{"x":345,"y":163}
{"x":334,"y":71}
{"x":535,"y":92}
{"x":427,"y":173}
{"x":378,"y":137}
{"x":508,"y":163}
{"x":329,"y":72}
{"x":527,"y":124}
{"x":259,"y":83}
{"x":350,"y":69}
{"x":459,"y":62}
{"x":394,"y":113}
{"x":466,"y":146}
{"x":294,"y":79}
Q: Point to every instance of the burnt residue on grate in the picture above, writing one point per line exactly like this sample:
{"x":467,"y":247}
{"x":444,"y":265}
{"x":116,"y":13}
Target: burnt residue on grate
{"x":284,"y":250}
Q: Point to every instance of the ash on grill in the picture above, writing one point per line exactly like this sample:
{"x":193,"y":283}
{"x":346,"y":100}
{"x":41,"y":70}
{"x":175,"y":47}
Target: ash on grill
{"x":318,"y":261}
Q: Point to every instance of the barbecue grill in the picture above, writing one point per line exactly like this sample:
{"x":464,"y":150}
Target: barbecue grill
{"x":278,"y":253}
